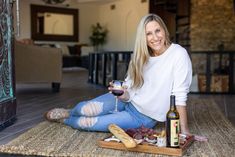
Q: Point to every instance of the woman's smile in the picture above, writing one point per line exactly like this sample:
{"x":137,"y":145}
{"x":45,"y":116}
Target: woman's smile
{"x":155,"y":38}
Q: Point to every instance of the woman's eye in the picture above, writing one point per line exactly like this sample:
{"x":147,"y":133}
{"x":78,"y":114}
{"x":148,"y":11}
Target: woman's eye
{"x":157,"y":30}
{"x":148,"y":33}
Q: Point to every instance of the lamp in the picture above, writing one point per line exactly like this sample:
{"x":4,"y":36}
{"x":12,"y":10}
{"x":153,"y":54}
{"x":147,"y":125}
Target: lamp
{"x":53,"y":1}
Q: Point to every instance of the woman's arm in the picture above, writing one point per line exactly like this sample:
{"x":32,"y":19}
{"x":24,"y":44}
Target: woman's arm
{"x":183,"y":119}
{"x":184,"y":123}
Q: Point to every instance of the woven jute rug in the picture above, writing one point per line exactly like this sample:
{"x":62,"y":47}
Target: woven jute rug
{"x":53,"y":139}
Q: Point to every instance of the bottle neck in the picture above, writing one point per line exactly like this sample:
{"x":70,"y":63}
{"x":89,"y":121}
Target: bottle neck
{"x":172,"y":102}
{"x":173,"y":107}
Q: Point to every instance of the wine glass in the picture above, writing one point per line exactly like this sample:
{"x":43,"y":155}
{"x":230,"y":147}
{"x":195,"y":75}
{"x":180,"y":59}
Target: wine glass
{"x":117,"y":90}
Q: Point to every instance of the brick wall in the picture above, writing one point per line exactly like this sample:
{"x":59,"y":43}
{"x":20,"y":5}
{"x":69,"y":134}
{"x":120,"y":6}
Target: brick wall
{"x":212,"y":23}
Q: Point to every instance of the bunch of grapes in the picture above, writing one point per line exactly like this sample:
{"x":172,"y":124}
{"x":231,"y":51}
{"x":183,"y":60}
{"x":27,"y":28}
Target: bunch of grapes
{"x":142,"y":133}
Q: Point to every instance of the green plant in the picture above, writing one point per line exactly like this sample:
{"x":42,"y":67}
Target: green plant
{"x":99,"y":36}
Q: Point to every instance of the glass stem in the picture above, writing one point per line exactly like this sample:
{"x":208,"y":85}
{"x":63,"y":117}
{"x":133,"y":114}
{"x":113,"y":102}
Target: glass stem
{"x":116,"y":104}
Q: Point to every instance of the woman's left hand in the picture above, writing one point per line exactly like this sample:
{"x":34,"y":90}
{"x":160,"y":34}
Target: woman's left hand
{"x":200,"y":138}
{"x":197,"y":137}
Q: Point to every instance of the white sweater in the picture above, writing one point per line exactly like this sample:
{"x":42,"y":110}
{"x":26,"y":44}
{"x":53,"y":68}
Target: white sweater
{"x":164,"y":75}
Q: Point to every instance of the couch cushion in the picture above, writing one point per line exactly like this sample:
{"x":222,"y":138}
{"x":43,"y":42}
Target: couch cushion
{"x":85,"y":50}
{"x":64,"y":48}
{"x":25,"y":41}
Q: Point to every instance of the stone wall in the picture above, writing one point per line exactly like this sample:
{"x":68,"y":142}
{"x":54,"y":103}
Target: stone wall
{"x":212,"y":23}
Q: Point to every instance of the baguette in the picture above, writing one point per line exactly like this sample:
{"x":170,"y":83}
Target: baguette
{"x":118,"y":132}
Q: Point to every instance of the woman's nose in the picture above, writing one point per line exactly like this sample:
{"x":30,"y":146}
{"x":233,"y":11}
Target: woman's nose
{"x":155,"y":36}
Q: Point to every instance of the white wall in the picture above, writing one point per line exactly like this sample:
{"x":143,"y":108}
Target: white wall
{"x":121,"y":22}
{"x":25,"y":25}
{"x":88,"y":15}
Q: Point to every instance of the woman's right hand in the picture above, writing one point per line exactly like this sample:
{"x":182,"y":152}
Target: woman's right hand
{"x":125,"y":96}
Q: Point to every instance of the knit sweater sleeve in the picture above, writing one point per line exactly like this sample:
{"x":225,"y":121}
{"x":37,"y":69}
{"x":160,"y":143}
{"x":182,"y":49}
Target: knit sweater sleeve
{"x":182,"y":74}
{"x":131,"y":92}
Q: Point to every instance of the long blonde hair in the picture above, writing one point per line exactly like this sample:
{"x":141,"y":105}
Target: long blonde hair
{"x":142,"y":51}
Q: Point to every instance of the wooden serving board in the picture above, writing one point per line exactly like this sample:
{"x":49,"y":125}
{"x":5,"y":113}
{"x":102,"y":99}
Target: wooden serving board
{"x":147,"y":148}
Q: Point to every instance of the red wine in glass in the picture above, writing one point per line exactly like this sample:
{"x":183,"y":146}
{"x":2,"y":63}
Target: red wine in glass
{"x":117,"y":91}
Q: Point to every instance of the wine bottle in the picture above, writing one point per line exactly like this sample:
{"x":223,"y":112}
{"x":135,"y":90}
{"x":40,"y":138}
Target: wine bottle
{"x":172,"y":125}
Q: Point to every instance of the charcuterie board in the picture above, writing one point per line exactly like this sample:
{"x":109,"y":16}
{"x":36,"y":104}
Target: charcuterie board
{"x":148,"y":148}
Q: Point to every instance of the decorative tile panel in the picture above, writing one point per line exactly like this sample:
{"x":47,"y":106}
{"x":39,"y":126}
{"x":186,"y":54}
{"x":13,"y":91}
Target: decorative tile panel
{"x":6,"y":88}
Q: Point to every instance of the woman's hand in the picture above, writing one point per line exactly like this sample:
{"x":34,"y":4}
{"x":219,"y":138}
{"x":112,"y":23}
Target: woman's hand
{"x":184,"y":124}
{"x":125,"y":96}
{"x":200,"y":138}
{"x":197,"y":137}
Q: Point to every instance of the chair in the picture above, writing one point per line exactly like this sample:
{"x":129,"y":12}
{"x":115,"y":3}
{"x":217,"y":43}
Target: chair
{"x":35,"y":64}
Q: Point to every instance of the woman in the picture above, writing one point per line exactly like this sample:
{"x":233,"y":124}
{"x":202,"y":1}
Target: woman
{"x":157,"y":70}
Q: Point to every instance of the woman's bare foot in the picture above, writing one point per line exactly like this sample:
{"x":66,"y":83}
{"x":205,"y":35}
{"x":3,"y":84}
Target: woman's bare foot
{"x":57,"y":114}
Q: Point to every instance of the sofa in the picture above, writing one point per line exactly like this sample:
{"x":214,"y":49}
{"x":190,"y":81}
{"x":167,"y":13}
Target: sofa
{"x":84,"y":57}
{"x":36,"y":64}
{"x":75,"y":55}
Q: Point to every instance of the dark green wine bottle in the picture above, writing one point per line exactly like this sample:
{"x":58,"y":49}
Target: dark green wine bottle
{"x":172,"y":125}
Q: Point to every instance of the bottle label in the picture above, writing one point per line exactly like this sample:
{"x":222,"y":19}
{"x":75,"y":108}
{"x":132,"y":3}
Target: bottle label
{"x":174,"y":124}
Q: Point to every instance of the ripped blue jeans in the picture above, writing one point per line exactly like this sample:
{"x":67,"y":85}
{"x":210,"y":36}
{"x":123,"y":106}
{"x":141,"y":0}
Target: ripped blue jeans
{"x":94,"y":115}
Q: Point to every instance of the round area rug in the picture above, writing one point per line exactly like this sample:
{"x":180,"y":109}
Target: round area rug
{"x":54,"y":139}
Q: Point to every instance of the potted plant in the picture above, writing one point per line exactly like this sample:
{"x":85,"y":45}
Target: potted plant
{"x":99,"y":36}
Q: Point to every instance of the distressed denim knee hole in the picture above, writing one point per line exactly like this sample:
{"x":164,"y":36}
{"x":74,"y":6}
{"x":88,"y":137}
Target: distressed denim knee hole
{"x":92,"y":108}
{"x":87,"y":122}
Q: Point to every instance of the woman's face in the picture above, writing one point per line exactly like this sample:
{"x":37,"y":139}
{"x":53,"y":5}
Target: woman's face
{"x":155,"y":36}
